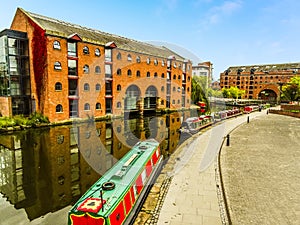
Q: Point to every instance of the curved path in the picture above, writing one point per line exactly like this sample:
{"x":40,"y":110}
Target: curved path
{"x":260,"y":171}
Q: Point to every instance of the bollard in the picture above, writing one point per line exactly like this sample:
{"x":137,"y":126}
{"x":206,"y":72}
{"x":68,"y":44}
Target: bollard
{"x":228,"y":140}
{"x":248,"y":119}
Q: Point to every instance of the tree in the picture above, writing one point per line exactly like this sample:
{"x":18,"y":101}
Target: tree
{"x":291,"y":90}
{"x":214,"y":93}
{"x":232,"y":92}
{"x":198,"y":94}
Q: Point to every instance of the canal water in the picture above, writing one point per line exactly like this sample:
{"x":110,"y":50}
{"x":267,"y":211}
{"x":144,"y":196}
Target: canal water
{"x":45,"y":170}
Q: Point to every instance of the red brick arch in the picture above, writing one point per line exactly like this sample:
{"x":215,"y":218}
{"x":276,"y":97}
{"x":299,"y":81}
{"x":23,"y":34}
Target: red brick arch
{"x":273,"y":87}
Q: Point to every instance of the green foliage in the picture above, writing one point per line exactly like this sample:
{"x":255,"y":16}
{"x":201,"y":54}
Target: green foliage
{"x":214,"y":93}
{"x":198,"y":94}
{"x":19,"y":120}
{"x":232,"y":92}
{"x":291,"y":91}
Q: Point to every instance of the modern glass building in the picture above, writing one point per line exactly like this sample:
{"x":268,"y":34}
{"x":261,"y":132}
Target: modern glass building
{"x":14,"y":73}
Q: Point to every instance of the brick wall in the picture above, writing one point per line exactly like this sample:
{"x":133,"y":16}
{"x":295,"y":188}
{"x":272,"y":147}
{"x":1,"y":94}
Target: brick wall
{"x":50,"y":98}
{"x":5,"y":106}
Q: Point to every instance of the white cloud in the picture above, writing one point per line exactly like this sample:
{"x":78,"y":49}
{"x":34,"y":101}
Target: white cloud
{"x":216,"y":13}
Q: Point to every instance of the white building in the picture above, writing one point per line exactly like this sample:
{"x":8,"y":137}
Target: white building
{"x":203,"y":69}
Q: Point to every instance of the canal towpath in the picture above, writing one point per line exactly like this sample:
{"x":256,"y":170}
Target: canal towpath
{"x":190,"y":196}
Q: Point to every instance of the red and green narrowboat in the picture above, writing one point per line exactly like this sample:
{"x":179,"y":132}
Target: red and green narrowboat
{"x":116,"y":197}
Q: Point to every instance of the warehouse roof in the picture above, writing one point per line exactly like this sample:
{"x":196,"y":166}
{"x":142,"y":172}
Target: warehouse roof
{"x":265,"y":67}
{"x":64,"y":29}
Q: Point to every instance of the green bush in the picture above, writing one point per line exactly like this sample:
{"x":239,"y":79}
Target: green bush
{"x":19,"y":120}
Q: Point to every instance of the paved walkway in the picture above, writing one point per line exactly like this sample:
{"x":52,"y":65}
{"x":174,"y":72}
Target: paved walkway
{"x":192,"y":196}
{"x":261,"y":169}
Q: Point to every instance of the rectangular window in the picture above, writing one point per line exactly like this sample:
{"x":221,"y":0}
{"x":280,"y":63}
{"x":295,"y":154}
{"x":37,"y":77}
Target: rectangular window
{"x":108,"y":88}
{"x":72,"y":67}
{"x":72,"y":49}
{"x":13,"y":65}
{"x":108,"y":105}
{"x":13,"y":46}
{"x":108,"y":73}
{"x":73,"y":108}
{"x":108,"y":55}
{"x":184,"y":67}
{"x":73,"y":87}
{"x":15,"y":88}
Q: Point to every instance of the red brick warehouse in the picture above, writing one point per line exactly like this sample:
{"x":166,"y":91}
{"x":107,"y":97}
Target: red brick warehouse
{"x":260,"y":81}
{"x":78,"y":72}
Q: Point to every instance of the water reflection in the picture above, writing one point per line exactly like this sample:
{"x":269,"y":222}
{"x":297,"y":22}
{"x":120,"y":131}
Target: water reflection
{"x":45,"y":170}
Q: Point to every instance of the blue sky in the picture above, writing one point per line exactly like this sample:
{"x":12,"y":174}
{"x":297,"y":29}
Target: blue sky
{"x":227,"y":33}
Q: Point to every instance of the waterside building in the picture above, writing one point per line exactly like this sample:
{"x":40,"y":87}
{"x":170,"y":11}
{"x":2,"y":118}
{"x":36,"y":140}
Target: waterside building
{"x":260,"y":81}
{"x":67,"y":71}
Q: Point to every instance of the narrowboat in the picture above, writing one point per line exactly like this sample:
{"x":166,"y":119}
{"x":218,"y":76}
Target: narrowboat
{"x":191,"y":125}
{"x":117,"y":196}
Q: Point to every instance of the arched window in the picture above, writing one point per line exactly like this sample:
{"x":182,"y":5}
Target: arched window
{"x":138,"y":59}
{"x":148,"y":60}
{"x":118,"y":87}
{"x":179,"y":77}
{"x":163,"y":62}
{"x":129,"y":72}
{"x":59,"y":108}
{"x":119,"y":57}
{"x":148,"y":74}
{"x":155,"y":62}
{"x":57,"y":66}
{"x":56,"y":45}
{"x":162,"y":88}
{"x":119,"y":105}
{"x":162,"y":75}
{"x":155,"y":74}
{"x":86,"y":69}
{"x":174,"y":77}
{"x":86,"y":50}
{"x":97,"y":52}
{"x":97,"y":70}
{"x":98,"y":105}
{"x":119,"y":71}
{"x":129,"y":57}
{"x":86,"y":106}
{"x":86,"y":87}
{"x":138,"y":73}
{"x":58,"y":86}
{"x":98,"y":87}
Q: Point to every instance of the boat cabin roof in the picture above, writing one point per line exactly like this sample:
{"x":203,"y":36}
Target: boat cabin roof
{"x":122,"y":175}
